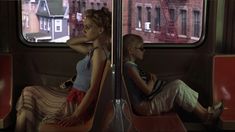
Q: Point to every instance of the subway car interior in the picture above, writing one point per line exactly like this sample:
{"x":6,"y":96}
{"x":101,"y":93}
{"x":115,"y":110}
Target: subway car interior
{"x":190,"y":40}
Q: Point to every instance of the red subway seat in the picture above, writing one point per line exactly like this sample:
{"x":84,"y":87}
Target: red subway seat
{"x":224,"y":88}
{"x":5,"y":89}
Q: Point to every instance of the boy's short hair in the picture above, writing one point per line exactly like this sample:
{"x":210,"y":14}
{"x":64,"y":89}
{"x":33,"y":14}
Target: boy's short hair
{"x":129,"y":41}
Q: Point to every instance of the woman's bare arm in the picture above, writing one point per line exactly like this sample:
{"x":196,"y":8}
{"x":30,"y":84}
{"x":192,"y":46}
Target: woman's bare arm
{"x":80,"y":44}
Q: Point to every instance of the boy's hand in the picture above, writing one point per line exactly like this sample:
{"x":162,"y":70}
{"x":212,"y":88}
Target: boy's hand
{"x":153,"y":77}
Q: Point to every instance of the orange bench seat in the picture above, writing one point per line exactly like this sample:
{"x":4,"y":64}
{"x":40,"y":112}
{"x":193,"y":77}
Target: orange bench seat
{"x":169,"y":121}
{"x":5,"y":89}
{"x":224,"y":88}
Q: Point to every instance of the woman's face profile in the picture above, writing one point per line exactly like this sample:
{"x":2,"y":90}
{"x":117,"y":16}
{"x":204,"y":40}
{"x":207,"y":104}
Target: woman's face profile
{"x":91,"y":30}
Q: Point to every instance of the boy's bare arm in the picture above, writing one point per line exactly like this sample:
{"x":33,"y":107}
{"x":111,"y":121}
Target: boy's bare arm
{"x":146,"y":88}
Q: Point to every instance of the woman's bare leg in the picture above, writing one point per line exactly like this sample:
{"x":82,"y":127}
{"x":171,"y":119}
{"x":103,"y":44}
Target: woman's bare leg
{"x":201,"y":112}
{"x":20,"y":122}
{"x":210,"y":114}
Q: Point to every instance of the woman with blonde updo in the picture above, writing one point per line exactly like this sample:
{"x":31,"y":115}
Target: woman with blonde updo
{"x":40,"y":104}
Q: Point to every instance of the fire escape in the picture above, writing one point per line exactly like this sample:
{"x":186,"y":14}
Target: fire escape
{"x":169,"y":32}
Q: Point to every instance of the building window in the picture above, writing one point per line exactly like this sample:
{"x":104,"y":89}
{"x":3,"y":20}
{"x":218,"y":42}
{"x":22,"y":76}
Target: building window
{"x":27,"y":21}
{"x":172,"y":15}
{"x":72,"y":6}
{"x":79,"y":6}
{"x":196,"y":23}
{"x":147,"y":24}
{"x":45,"y":24}
{"x":41,"y":23}
{"x":48,"y":24}
{"x":83,"y":7}
{"x":183,"y":22}
{"x":58,"y":25}
{"x":157,"y":19}
{"x":92,"y":5}
{"x":139,"y":17}
{"x":98,"y":5}
{"x":44,"y":7}
{"x":105,"y":4}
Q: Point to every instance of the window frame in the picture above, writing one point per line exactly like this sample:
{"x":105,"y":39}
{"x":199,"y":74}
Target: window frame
{"x":151,"y":45}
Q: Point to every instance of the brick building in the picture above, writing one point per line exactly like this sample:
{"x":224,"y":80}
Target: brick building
{"x":164,"y":20}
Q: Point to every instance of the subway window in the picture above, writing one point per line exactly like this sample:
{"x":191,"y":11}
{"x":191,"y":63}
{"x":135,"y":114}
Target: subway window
{"x":55,"y":21}
{"x":165,"y":22}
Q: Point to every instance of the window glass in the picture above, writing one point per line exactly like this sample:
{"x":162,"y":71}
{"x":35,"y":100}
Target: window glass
{"x":55,"y":21}
{"x":139,"y":18}
{"x":196,"y":24}
{"x":164,"y":22}
{"x":183,"y":22}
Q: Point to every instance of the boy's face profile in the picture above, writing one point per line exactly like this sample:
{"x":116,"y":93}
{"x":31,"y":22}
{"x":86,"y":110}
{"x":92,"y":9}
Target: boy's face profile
{"x":138,"y":51}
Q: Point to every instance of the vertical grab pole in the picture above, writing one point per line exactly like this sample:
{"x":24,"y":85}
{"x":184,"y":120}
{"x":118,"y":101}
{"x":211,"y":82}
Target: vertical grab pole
{"x":118,"y":122}
{"x":117,"y":46}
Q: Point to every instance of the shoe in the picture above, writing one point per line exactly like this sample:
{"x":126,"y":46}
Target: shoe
{"x":215,"y":111}
{"x":218,"y":105}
